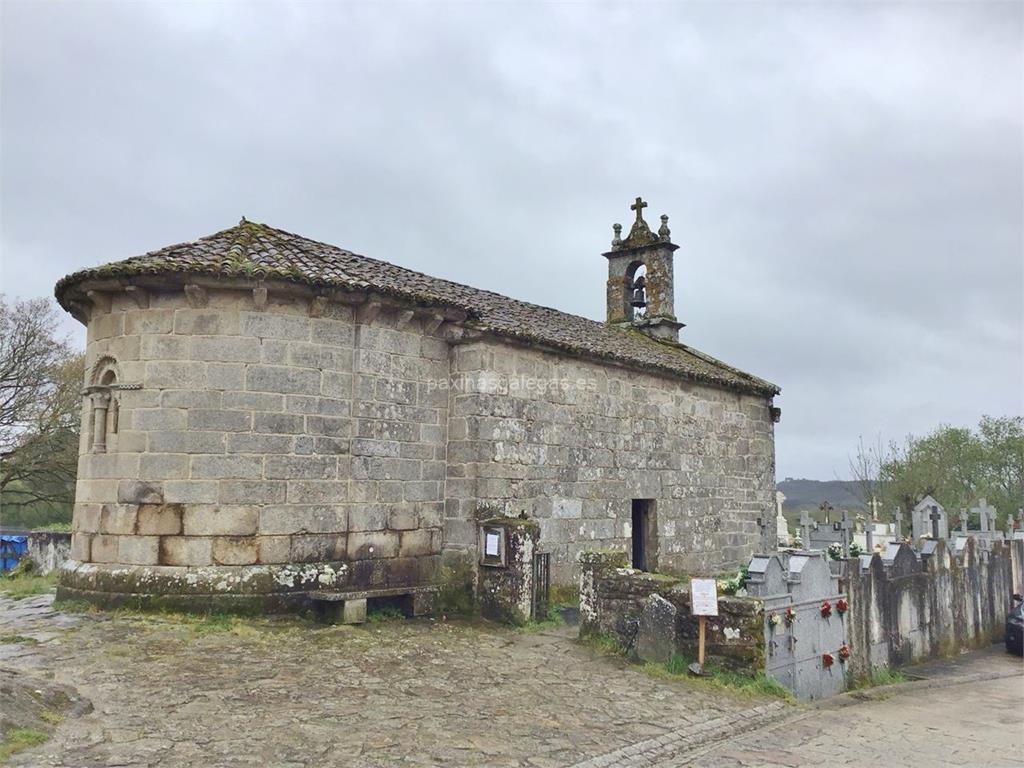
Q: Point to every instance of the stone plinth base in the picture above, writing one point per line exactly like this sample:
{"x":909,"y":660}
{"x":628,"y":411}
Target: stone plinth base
{"x":250,"y":589}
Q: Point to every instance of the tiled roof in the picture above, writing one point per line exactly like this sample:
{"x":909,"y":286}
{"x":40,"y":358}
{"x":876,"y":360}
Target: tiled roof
{"x":256,"y":250}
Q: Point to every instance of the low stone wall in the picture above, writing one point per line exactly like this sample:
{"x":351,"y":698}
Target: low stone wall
{"x":649,"y":614}
{"x":906,"y":609}
{"x":49,"y":549}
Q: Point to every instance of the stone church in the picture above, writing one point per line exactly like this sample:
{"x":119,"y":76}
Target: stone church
{"x":265,"y":415}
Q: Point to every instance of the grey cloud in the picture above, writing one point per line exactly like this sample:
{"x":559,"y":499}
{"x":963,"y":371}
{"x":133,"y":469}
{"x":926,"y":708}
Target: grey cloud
{"x":845,"y":180}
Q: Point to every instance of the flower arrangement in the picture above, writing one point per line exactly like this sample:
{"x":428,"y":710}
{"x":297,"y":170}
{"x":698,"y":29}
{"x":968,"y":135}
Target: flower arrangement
{"x":790,"y":616}
{"x":827,"y":660}
{"x":736,"y":584}
{"x":855,"y":550}
{"x":835,"y":551}
{"x":773,"y":619}
{"x":842,"y":606}
{"x":826,"y":609}
{"x":844,"y":653}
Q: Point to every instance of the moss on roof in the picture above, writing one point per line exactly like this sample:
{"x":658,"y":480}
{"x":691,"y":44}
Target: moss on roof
{"x":257,"y":251}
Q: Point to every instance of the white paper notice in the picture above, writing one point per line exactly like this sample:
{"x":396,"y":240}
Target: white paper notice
{"x":704,"y":597}
{"x":491,"y":544}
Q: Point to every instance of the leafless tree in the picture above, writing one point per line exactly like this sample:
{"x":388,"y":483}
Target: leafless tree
{"x":40,"y":383}
{"x":866,"y":469}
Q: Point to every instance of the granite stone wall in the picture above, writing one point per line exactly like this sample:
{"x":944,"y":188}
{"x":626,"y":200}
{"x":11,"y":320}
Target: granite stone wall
{"x":572,"y":442}
{"x":649,"y":615}
{"x":255,"y":433}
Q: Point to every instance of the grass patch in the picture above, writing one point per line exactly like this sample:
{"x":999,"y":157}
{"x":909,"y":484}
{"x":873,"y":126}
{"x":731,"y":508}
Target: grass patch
{"x":553,"y":620}
{"x":51,"y":717}
{"x":564,"y":597}
{"x":880,"y":676}
{"x":60,"y":527}
{"x":73,"y":606}
{"x":12,"y":639}
{"x":384,"y":613}
{"x":18,"y":739}
{"x":739,"y":683}
{"x":18,"y":587}
{"x":604,"y":643}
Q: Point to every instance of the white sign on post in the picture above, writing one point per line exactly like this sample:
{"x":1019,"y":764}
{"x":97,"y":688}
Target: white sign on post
{"x":704,"y":597}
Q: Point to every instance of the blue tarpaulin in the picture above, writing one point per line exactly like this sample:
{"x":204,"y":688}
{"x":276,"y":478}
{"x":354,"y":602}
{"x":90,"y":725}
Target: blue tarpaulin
{"x":11,"y":550}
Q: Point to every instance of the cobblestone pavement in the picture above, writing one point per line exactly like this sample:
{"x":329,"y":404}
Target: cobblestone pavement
{"x":168,"y":692}
{"x":979,"y":722}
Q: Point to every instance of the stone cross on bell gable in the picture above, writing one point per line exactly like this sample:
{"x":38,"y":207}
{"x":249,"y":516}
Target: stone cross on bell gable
{"x":964,"y":517}
{"x":935,"y":516}
{"x":807,"y":523}
{"x":845,"y":526}
{"x":638,"y":206}
{"x":986,"y":516}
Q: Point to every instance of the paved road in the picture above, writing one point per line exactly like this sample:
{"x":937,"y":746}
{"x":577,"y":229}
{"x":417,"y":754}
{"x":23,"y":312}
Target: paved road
{"x":975,"y":723}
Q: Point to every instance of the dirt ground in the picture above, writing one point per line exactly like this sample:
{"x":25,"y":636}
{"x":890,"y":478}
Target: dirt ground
{"x":138,"y":690}
{"x":166,"y":692}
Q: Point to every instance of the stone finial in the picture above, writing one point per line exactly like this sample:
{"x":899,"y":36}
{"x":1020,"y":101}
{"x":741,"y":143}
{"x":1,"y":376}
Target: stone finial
{"x":664,"y":233}
{"x":617,"y":239}
{"x":640,"y":234}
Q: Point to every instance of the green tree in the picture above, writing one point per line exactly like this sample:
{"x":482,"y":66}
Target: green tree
{"x":956,"y":465}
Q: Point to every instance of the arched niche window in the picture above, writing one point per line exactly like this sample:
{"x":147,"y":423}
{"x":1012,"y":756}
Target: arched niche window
{"x":636,"y":290}
{"x":102,"y":394}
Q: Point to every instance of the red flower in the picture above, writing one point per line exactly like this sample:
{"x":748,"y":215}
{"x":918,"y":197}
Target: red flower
{"x":842,"y":606}
{"x":826,"y":609}
{"x":790,"y":616}
{"x":827,"y":660}
{"x":844,"y":652}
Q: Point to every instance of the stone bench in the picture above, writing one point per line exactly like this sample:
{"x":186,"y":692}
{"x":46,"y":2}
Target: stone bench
{"x":349,"y":606}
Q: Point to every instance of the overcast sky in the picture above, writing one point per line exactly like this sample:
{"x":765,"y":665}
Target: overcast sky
{"x":845,"y":182}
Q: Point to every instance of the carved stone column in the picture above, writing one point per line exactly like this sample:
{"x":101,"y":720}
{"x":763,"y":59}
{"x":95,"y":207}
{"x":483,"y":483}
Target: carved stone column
{"x":100,"y":404}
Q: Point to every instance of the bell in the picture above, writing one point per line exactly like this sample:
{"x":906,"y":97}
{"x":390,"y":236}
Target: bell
{"x":639,"y":300}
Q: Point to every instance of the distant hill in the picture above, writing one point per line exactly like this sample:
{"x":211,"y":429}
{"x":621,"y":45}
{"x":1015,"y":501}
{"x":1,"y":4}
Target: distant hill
{"x":808,"y":494}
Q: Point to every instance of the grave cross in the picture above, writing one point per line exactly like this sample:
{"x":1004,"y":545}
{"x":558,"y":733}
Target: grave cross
{"x":934,"y":516}
{"x":986,"y":516}
{"x":964,"y":517}
{"x":1020,"y":516}
{"x":869,"y":537}
{"x":898,"y":517}
{"x":845,"y":526}
{"x":806,"y":524}
{"x":826,"y":509}
{"x":638,"y":206}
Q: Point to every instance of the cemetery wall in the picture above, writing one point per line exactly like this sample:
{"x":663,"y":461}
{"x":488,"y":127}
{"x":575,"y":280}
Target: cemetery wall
{"x":907,"y":610}
{"x":49,"y":549}
{"x":1017,"y":564}
{"x":649,"y":615}
{"x":571,"y":443}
